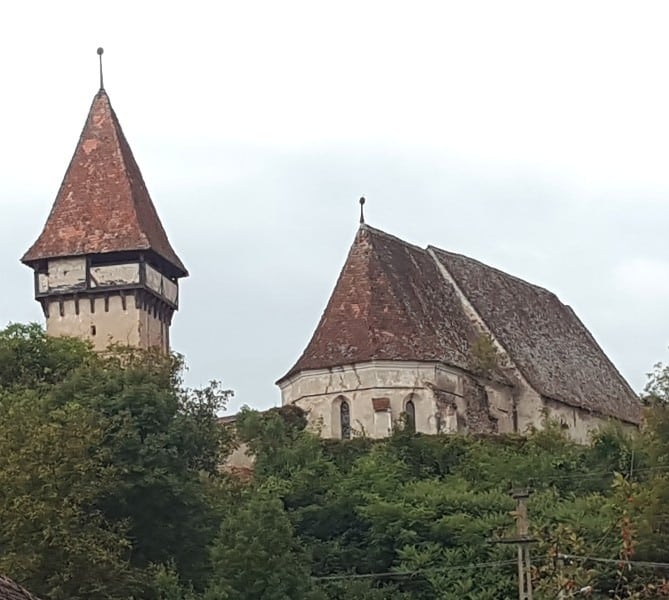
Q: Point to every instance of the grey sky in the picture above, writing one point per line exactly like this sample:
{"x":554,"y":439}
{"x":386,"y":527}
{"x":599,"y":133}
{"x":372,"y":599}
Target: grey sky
{"x":530,"y":135}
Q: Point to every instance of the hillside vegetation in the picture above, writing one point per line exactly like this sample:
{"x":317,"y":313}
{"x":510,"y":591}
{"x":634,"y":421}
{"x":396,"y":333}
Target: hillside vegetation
{"x":110,"y":487}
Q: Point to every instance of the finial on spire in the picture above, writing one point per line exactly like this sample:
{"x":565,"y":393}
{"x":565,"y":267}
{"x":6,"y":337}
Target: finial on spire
{"x":362,"y":210}
{"x":100,"y":53}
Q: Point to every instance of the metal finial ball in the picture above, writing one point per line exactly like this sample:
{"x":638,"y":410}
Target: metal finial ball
{"x":100,"y":51}
{"x":362,"y":200}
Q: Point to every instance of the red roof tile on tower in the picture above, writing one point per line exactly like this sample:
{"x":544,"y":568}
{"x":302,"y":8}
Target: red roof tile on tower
{"x":390,"y":303}
{"x":103,"y":205}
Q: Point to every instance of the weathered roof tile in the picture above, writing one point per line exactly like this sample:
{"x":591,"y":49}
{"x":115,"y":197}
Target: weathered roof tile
{"x":10,"y":590}
{"x":103,"y":204}
{"x":545,"y":339}
{"x":390,"y":303}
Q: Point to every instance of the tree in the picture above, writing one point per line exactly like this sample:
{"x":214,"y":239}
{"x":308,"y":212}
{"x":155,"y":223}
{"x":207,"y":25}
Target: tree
{"x":31,"y":359}
{"x":108,"y":458}
{"x":165,"y":444}
{"x":656,"y":390}
{"x":54,"y":470}
{"x":110,"y":488}
{"x":256,"y":554}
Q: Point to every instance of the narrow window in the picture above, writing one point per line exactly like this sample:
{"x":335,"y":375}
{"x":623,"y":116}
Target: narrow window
{"x":93,"y":330}
{"x":410,"y":410}
{"x":345,"y":420}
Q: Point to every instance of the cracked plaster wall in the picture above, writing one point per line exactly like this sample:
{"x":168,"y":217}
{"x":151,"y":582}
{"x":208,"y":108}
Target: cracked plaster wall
{"x":445,"y":400}
{"x":432,"y":387}
{"x":106,"y":324}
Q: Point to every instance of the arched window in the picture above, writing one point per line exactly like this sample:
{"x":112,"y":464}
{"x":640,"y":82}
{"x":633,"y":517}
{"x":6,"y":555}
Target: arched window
{"x":410,"y":411}
{"x":345,"y":420}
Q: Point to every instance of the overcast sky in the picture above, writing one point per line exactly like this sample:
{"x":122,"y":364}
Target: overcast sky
{"x":533,"y":136}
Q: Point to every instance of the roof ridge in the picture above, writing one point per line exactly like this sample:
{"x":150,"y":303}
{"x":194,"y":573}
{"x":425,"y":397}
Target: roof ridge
{"x":127,"y":154}
{"x":389,"y":303}
{"x":429,"y":247}
{"x":124,"y":146}
{"x":497,"y":270}
{"x":392,"y":237}
{"x":546,"y":340}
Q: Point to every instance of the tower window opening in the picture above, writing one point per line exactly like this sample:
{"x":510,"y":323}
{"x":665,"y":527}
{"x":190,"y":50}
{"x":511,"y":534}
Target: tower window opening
{"x":93,"y":330}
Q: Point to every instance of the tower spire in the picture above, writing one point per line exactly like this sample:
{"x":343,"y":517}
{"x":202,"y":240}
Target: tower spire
{"x":100,"y":53}
{"x":103,"y":215}
{"x":362,"y":210}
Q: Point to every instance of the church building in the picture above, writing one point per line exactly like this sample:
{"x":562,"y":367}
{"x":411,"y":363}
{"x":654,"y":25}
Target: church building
{"x":104,"y":268}
{"x":443,"y":343}
{"x":417,"y":337}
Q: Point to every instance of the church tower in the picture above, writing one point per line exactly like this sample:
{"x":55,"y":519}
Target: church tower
{"x":104,"y":268}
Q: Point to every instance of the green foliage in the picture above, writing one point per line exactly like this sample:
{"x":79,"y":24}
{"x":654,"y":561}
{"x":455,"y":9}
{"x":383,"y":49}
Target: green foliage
{"x":359,"y":589}
{"x":649,"y":503}
{"x":111,"y":488}
{"x":656,"y":391}
{"x":485,"y":357}
{"x":53,"y":471}
{"x":31,"y":359}
{"x":417,"y":513}
{"x":107,"y":468}
{"x":167,"y":585}
{"x":257,"y":555}
{"x":163,"y":441}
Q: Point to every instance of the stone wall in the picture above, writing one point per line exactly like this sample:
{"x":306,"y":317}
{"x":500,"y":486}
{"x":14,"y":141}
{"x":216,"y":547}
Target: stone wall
{"x":445,"y":401}
{"x":153,"y":330}
{"x":377,"y":393}
{"x":100,"y":321}
{"x":103,"y":321}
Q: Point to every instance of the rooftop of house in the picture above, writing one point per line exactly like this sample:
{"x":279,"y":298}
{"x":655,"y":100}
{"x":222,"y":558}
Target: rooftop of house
{"x":103,"y":205}
{"x":392,"y":302}
{"x":10,"y":590}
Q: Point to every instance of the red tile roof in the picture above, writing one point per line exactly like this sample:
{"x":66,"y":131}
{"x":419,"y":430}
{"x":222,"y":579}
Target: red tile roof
{"x":391,"y":302}
{"x":103,"y":205}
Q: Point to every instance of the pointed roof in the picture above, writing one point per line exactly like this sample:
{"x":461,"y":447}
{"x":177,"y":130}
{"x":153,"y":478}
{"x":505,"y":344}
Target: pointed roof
{"x":103,"y":205}
{"x":396,"y":301}
{"x":390,"y":303}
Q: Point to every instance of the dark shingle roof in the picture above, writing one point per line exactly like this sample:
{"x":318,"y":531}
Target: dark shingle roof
{"x":10,"y":590}
{"x":103,"y":204}
{"x":392,"y":303}
{"x":545,"y":339}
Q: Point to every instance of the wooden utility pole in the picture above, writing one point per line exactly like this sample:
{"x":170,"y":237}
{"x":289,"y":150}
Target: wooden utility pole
{"x":523,"y":540}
